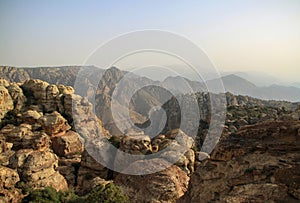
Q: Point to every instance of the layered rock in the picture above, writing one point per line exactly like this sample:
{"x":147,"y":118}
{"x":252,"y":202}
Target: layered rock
{"x":68,"y":144}
{"x":6,"y":102}
{"x":258,"y":164}
{"x":36,"y":139}
{"x":176,"y":147}
{"x":38,"y":169}
{"x":89,"y":172}
{"x":8,"y":179}
{"x":54,"y":124}
{"x":164,"y":186}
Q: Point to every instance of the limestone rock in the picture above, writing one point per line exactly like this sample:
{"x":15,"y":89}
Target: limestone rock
{"x":5,"y":151}
{"x":18,"y":159}
{"x":175,"y":147}
{"x":68,"y":167}
{"x":43,"y":93}
{"x":54,"y":124}
{"x":164,"y":186}
{"x":67,"y":145}
{"x":31,"y":117}
{"x":39,"y":169}
{"x":15,"y":134}
{"x":65,"y":89}
{"x":17,"y":95}
{"x":22,"y":137}
{"x":4,"y":83}
{"x":56,"y":180}
{"x":88,"y":171}
{"x":6,"y":102}
{"x":8,"y":179}
{"x":258,"y":164}
{"x":38,"y":141}
{"x":136,"y":144}
{"x":39,"y":165}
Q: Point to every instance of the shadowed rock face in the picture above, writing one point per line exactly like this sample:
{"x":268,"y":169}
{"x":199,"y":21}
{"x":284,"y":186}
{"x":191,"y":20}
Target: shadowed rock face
{"x":260,"y":163}
{"x":6,"y":102}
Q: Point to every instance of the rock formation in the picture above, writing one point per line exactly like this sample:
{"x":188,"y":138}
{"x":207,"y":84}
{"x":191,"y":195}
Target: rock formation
{"x":260,"y":163}
{"x":49,"y":136}
{"x":38,"y":146}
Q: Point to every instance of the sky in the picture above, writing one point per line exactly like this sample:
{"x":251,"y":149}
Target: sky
{"x":248,"y":35}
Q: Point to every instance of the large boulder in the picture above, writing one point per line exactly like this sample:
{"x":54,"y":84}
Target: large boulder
{"x":38,"y":169}
{"x":6,"y":102}
{"x":18,"y":97}
{"x":68,"y":145}
{"x":165,"y":186}
{"x":54,"y":124}
{"x":176,"y":147}
{"x":43,"y":93}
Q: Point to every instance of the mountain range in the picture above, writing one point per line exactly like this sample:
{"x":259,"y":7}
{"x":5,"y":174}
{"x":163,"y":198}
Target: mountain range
{"x":234,"y":83}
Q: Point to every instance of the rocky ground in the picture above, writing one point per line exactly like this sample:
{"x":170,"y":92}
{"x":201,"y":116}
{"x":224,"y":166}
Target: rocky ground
{"x":42,"y":144}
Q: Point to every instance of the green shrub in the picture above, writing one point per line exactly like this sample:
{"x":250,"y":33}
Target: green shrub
{"x":109,"y":193}
{"x":46,"y":195}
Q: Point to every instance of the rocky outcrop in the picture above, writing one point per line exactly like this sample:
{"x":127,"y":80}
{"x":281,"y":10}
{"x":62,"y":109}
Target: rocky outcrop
{"x":39,"y":169}
{"x":89,"y":172}
{"x":8,"y":179}
{"x":6,"y":102}
{"x":68,"y":144}
{"x":260,"y":163}
{"x":38,"y":141}
{"x":54,"y":124}
{"x":164,"y":186}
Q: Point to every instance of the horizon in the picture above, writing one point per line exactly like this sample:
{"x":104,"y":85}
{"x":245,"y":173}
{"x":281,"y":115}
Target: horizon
{"x":259,"y":36}
{"x":156,"y":76}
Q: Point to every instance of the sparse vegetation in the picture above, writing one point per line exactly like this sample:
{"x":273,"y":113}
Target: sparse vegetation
{"x":109,"y":193}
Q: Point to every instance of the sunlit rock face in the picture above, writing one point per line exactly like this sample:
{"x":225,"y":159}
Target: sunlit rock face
{"x":257,"y":164}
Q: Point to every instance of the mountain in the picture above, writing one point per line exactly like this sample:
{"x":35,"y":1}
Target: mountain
{"x":296,"y":84}
{"x":233,"y":84}
{"x":258,"y":78}
{"x":236,"y":85}
{"x":239,"y":85}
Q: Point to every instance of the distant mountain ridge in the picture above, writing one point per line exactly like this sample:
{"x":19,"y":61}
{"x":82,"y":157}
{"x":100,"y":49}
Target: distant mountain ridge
{"x":240,"y":86}
{"x":66,"y":75}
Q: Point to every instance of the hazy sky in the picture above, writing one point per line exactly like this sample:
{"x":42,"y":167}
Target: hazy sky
{"x":242,"y":35}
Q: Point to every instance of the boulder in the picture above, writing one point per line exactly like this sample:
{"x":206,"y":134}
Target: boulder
{"x":88,"y":171}
{"x":165,"y":186}
{"x":39,"y":169}
{"x":68,"y":145}
{"x":17,"y":96}
{"x":6,"y":102}
{"x":54,"y":124}
{"x":43,"y":94}
{"x":31,"y":116}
